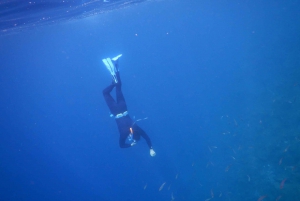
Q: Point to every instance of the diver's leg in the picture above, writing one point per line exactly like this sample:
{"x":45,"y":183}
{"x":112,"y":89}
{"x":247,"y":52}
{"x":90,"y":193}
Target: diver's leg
{"x":119,"y":93}
{"x":108,"y":98}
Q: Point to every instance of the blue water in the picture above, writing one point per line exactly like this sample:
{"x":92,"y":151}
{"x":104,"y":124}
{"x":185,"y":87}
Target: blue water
{"x":218,"y":81}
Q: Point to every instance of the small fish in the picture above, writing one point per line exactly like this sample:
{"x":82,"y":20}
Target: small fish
{"x":145,"y":186}
{"x":286,"y":149}
{"x":282,"y":183}
{"x":209,"y":163}
{"x":176,"y":176}
{"x":233,"y":151}
{"x":215,"y":147}
{"x":212,"y":193}
{"x":261,"y":197}
{"x":169,"y":187}
{"x":220,"y":194}
{"x":278,"y":198}
{"x":235,"y":123}
{"x":172,"y":197}
{"x":280,"y":161}
{"x":227,"y":168}
{"x":162,"y":186}
{"x":209,"y":149}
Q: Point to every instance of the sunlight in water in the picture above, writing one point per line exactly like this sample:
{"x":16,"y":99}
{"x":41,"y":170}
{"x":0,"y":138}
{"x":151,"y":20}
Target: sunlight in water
{"x":17,"y":14}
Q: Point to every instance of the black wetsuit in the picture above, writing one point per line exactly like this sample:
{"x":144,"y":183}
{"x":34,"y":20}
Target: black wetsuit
{"x":124,"y":123}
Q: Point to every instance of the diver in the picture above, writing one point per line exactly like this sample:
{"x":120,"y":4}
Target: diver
{"x":129,"y":131}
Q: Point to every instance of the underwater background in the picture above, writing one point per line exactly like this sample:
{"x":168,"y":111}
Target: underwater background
{"x":219,"y":83}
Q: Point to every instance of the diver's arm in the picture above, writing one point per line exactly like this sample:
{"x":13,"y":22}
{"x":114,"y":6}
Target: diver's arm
{"x":146,"y":137}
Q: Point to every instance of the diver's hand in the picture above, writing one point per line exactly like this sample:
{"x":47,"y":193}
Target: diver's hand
{"x":152,"y":153}
{"x":133,"y":143}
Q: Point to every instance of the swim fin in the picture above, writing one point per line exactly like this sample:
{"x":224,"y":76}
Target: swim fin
{"x":117,"y":57}
{"x":111,"y":68}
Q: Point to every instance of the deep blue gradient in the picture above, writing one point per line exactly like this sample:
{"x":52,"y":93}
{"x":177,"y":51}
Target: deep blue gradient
{"x":218,"y":81}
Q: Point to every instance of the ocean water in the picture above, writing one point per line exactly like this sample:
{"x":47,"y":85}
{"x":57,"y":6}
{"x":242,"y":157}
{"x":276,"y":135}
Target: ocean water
{"x":218,"y":81}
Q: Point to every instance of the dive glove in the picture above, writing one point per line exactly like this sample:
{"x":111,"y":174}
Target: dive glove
{"x":152,"y":153}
